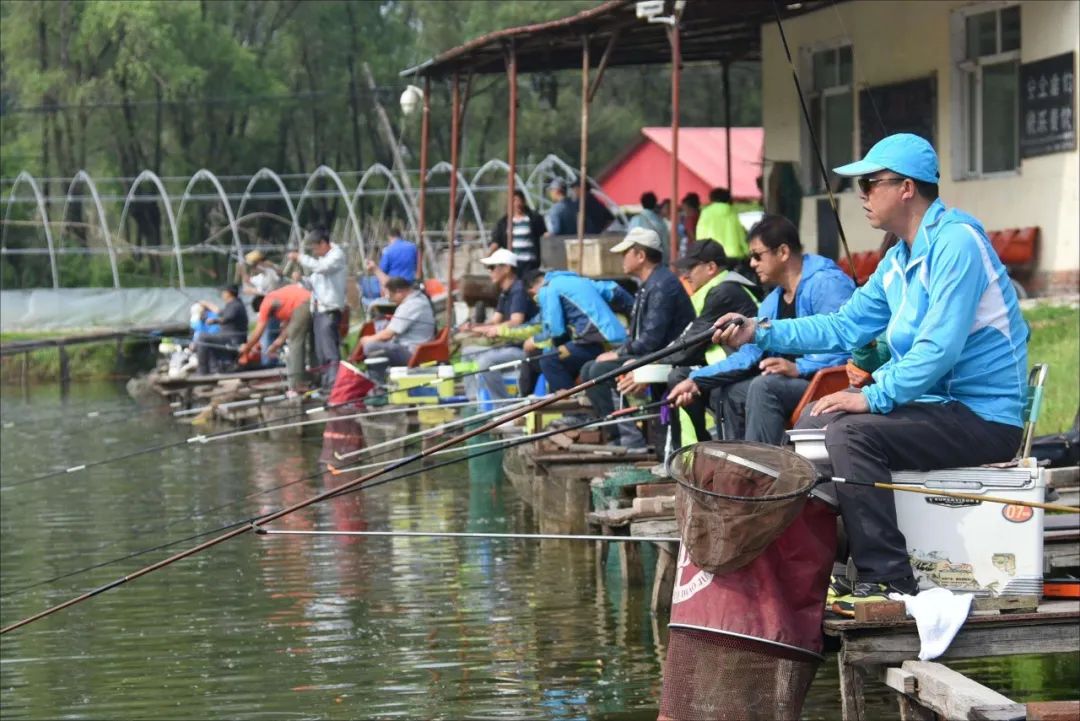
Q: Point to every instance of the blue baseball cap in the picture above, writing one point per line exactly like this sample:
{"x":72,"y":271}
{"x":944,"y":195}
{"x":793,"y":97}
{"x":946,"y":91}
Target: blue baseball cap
{"x":903,"y":153}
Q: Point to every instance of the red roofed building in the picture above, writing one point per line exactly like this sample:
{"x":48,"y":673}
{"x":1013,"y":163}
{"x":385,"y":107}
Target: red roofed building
{"x":646,"y":165}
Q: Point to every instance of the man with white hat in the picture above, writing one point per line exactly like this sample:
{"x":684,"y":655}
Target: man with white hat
{"x":952,"y":393}
{"x":513,"y":310}
{"x":661,"y":310}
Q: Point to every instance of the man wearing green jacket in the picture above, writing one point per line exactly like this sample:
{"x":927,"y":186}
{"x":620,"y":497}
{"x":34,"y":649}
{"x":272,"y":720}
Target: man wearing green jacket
{"x":719,"y":221}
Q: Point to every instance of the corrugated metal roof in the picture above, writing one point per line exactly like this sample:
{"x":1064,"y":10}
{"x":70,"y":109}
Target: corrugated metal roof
{"x":709,"y":30}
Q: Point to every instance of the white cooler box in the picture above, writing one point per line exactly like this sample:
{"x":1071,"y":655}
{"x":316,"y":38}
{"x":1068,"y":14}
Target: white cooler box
{"x":966,"y":545}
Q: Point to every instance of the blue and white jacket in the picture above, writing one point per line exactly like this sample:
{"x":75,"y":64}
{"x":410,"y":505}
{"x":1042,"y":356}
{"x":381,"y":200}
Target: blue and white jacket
{"x":823,"y":288}
{"x":580,"y":309}
{"x":951,"y":320}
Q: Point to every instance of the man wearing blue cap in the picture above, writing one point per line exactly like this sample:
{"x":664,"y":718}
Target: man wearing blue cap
{"x":952,"y":393}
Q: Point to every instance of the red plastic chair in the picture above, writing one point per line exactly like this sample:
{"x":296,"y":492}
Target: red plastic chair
{"x":436,"y":350}
{"x":357,"y":354}
{"x":825,"y":381}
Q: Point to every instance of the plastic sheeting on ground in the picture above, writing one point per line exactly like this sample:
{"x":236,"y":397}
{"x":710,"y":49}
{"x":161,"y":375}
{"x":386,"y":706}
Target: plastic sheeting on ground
{"x":84,"y":308}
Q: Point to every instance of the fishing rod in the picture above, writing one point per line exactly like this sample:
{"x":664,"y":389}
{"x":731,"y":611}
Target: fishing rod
{"x":262,"y":531}
{"x":260,"y":424}
{"x":695,"y":340}
{"x":814,"y":142}
{"x":510,"y":443}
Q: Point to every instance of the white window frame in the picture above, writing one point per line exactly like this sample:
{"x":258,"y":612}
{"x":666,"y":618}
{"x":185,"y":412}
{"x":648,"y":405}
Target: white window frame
{"x":965,"y":71}
{"x":812,"y":172}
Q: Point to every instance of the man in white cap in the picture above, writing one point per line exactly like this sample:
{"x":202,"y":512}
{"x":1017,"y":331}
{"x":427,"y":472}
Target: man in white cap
{"x":661,"y":310}
{"x":513,"y":310}
{"x":952,"y":393}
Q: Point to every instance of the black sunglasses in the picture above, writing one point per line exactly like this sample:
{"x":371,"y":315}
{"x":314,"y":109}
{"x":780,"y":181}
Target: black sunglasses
{"x":867,"y":184}
{"x":757,"y":256}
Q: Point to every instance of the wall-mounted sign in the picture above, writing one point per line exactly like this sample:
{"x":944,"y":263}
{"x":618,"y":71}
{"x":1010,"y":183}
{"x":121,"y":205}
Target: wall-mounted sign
{"x":1048,"y":106}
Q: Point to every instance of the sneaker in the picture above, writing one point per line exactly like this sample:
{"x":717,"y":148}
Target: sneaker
{"x":838,"y":586}
{"x":872,"y":592}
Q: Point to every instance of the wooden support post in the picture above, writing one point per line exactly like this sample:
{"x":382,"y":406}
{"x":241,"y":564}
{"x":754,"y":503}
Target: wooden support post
{"x":853,"y":707}
{"x":726,"y":67}
{"x":451,"y":229}
{"x":583,"y":173}
{"x":664,"y":578}
{"x":676,"y":63}
{"x":24,"y":372}
{"x":630,"y":567}
{"x":65,"y":369}
{"x":511,"y":140}
{"x":425,"y":129}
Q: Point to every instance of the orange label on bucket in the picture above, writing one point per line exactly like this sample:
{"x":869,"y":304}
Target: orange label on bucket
{"x":1017,"y":514}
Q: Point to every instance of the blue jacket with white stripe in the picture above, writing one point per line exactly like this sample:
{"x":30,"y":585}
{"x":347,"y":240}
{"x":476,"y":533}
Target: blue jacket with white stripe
{"x":950,"y":317}
{"x":576,"y":308}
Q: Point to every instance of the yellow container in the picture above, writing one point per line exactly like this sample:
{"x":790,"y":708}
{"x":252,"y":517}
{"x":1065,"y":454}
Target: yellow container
{"x":539,"y":420}
{"x":421,"y":385}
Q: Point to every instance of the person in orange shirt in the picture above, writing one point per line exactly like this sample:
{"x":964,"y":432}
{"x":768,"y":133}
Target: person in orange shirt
{"x":291,"y":307}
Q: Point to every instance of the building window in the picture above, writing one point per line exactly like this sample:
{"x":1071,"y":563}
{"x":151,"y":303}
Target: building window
{"x":832,"y":111}
{"x":987,"y":46}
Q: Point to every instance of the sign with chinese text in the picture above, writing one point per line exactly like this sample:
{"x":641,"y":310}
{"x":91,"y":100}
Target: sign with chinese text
{"x":1047,"y":106}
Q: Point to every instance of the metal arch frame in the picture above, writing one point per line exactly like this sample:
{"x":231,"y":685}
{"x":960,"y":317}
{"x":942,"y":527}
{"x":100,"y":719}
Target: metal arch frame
{"x":204,"y":174}
{"x":167,"y":202}
{"x":25,"y":176}
{"x":265,"y":172}
{"x":505,"y":167}
{"x":89,"y":182}
{"x":552,"y":160}
{"x":444,"y":166}
{"x":326,"y":171}
{"x":380,"y":169}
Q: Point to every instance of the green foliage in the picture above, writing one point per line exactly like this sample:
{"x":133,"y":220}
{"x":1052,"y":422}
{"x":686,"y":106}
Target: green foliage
{"x":1055,"y":339}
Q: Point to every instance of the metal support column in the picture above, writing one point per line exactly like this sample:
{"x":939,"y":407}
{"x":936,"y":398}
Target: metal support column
{"x":425,"y":127}
{"x":511,"y":142}
{"x":676,"y":62}
{"x":726,"y":66}
{"x":583,"y":173}
{"x":451,"y":228}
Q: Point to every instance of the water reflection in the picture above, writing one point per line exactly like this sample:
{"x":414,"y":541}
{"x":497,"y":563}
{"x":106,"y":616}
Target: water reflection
{"x":331,"y":627}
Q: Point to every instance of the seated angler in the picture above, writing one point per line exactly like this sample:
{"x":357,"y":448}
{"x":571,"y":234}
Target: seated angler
{"x":233,"y":323}
{"x":661,"y":311}
{"x":753,"y":393}
{"x":513,"y":308}
{"x":413,"y":323}
{"x":952,"y":392}
{"x":716,"y":291}
{"x":576,"y":318}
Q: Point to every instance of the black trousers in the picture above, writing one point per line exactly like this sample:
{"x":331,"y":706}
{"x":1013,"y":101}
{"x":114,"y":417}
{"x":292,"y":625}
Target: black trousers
{"x":695,"y":410}
{"x":920,"y":437}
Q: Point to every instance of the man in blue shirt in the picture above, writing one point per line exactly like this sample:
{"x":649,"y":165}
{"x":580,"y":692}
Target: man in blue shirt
{"x":561,"y":218}
{"x":398,"y":260}
{"x":952,"y":393}
{"x":576,"y":317}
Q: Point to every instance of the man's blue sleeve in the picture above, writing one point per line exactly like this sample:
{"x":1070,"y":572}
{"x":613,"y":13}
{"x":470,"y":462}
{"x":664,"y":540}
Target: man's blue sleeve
{"x":856,"y":323}
{"x":827,"y":296}
{"x":551,"y":315}
{"x":614,"y":295}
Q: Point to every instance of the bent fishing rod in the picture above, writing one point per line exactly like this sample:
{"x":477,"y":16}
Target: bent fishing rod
{"x":692,"y":341}
{"x":261,"y":426}
{"x":620,"y":416}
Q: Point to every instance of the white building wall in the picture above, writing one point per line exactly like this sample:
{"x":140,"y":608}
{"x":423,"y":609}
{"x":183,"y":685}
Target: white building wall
{"x":893,"y":41}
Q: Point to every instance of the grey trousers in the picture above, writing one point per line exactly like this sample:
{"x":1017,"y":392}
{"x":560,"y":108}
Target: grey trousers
{"x":919,"y":436}
{"x":757,"y":409}
{"x":397,"y":353}
{"x":327,"y":346}
{"x":296,"y":334}
{"x":492,"y":381}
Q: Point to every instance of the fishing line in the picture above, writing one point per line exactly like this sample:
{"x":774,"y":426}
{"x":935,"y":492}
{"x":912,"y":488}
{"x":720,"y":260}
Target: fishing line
{"x":261,"y":531}
{"x":511,"y":443}
{"x":694,"y":340}
{"x":261,"y":425}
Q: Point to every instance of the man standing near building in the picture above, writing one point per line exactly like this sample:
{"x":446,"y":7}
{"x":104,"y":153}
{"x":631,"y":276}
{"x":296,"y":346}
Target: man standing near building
{"x":951,"y":394}
{"x":398,"y":260}
{"x":650,"y":219}
{"x":718,"y":221}
{"x":755,"y":392}
{"x":290,"y":305}
{"x":561,"y":218}
{"x":326,"y":271}
{"x":660,"y":312}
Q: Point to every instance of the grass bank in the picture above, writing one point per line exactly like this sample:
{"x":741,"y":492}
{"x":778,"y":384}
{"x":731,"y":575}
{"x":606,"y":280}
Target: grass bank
{"x":86,"y":361}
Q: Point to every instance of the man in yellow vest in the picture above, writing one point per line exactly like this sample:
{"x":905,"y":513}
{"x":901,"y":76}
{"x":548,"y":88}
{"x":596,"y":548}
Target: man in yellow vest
{"x":719,"y":221}
{"x":715,"y":289}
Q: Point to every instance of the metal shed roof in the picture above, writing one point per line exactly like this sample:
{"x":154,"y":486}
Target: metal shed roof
{"x":709,"y":30}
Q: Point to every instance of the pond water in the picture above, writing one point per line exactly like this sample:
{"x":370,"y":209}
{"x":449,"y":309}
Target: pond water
{"x":296,"y":627}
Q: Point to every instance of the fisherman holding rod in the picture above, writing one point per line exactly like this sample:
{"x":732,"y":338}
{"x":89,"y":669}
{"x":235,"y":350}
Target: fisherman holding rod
{"x":952,"y":393}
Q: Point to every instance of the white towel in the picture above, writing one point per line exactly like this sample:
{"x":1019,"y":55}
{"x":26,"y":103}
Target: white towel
{"x":939,"y":614}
